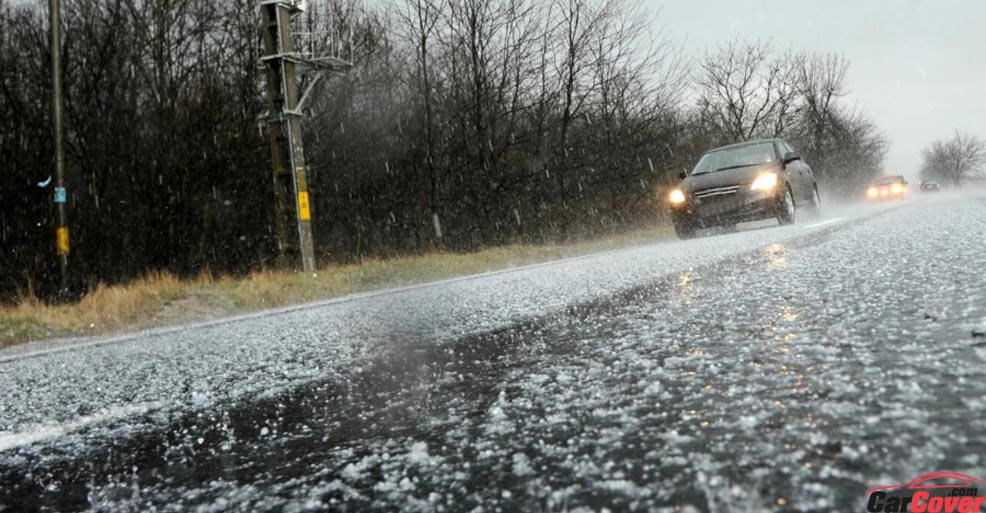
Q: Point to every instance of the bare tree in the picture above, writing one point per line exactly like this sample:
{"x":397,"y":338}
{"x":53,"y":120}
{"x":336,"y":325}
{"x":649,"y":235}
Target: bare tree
{"x":637,"y":78}
{"x":954,"y":160}
{"x":826,"y":130}
{"x":580,"y":21}
{"x":855,"y":152}
{"x":821,"y":83}
{"x":748,"y":90}
{"x":419,"y":19}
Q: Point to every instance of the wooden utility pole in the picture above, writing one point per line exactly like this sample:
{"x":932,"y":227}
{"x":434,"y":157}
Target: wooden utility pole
{"x":61,"y":232}
{"x":291,"y":197}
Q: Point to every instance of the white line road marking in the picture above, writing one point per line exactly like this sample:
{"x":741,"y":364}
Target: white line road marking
{"x":823,"y":223}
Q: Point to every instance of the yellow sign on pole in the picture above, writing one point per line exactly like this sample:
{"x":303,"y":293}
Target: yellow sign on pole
{"x":304,"y":212}
{"x":61,"y":240}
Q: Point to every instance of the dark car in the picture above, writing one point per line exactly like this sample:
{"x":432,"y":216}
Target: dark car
{"x":930,"y":186}
{"x":743,"y":182}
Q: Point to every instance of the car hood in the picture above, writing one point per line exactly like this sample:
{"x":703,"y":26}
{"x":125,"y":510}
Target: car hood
{"x":739,"y":176}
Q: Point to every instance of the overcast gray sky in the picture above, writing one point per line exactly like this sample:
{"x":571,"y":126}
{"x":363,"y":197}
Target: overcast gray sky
{"x":918,"y":68}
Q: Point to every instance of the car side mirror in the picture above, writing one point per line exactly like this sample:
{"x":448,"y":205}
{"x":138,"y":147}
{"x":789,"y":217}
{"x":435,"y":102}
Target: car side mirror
{"x":791,"y":156}
{"x":682,"y":175}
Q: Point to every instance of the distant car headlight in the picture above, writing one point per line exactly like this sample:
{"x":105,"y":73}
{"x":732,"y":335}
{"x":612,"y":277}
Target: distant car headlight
{"x":764,"y":182}
{"x":677,"y":197}
{"x":872,"y":192}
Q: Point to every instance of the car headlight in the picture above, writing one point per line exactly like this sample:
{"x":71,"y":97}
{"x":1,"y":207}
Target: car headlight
{"x":896,"y":189}
{"x":677,"y":197}
{"x":764,"y":182}
{"x":872,"y":192}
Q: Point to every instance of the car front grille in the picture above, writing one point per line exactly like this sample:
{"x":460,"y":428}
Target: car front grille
{"x":717,"y":191}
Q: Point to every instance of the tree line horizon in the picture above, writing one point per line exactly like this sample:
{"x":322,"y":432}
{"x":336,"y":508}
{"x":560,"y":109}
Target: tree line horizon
{"x":463,"y":124}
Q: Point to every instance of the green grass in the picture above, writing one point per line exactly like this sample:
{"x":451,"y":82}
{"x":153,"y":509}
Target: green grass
{"x":13,"y":329}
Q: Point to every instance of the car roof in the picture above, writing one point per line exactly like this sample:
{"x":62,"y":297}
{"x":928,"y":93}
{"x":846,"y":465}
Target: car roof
{"x":744,"y":143}
{"x":893,"y":178}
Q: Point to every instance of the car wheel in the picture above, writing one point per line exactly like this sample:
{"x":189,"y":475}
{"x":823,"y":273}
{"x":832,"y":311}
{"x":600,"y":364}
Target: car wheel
{"x":815,"y":207}
{"x":684,"y":231}
{"x":785,"y":210}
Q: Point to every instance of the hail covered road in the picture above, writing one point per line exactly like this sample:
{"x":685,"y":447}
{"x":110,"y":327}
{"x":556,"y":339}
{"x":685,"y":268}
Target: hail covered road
{"x":789,"y":368}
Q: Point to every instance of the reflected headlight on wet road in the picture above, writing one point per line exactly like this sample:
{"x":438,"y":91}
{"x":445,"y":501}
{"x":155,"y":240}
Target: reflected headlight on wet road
{"x":677,"y":197}
{"x":764,"y":182}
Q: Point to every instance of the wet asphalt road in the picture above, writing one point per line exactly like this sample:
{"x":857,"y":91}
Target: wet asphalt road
{"x":789,"y":368}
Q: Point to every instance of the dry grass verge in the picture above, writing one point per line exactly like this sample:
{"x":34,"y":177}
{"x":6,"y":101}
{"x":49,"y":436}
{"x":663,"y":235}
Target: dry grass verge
{"x":161,"y":299}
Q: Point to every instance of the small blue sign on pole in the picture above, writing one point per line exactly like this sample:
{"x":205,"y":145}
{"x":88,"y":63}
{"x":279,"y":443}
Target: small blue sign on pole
{"x":60,"y":194}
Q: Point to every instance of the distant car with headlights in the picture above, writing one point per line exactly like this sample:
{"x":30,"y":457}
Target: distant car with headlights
{"x":746,"y":181}
{"x":887,"y":187}
{"x":930,"y":186}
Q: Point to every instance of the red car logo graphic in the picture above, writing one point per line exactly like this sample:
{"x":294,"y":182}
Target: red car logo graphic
{"x":930,"y":495}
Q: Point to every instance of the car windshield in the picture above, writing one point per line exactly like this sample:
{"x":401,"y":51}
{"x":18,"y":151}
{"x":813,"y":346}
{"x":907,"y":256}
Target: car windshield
{"x":736,"y":157}
{"x":886,"y":180}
